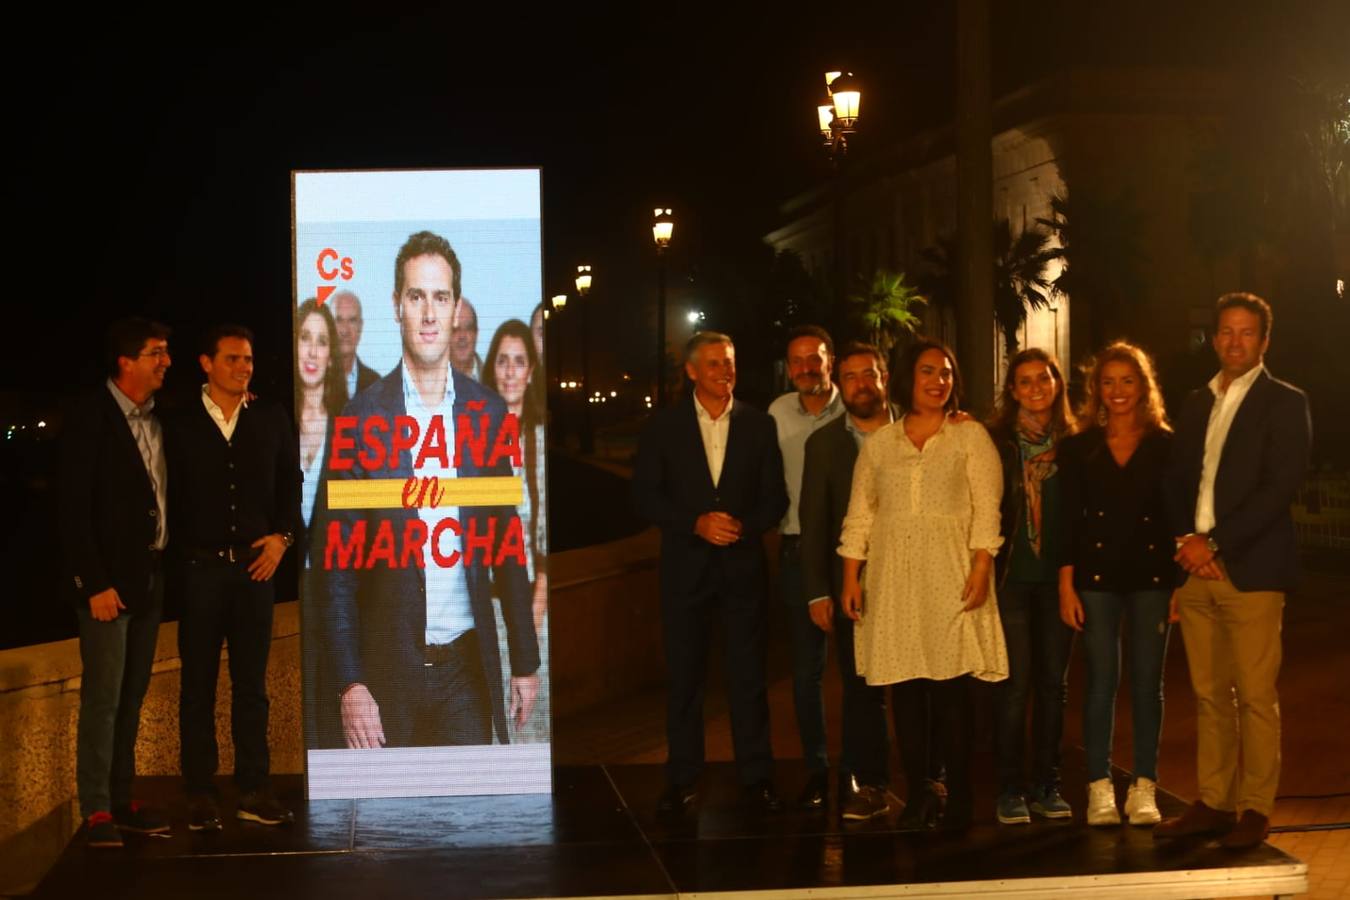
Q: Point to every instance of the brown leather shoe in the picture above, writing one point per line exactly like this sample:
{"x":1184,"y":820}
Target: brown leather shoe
{"x":1198,"y":819}
{"x":1250,"y":831}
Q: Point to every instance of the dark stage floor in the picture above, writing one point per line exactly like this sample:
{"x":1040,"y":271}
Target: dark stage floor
{"x":597,"y":835}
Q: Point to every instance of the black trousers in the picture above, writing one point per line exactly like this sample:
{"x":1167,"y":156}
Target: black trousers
{"x":866,"y":744}
{"x":933,"y":726}
{"x":222,"y":605}
{"x":442,"y":703}
{"x":687,"y":624}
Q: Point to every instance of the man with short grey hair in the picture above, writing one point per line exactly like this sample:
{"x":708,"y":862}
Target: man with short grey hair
{"x":347,"y":315}
{"x":709,"y":474}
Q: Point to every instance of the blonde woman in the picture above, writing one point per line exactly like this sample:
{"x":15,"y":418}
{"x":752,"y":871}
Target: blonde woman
{"x":1117,"y":572}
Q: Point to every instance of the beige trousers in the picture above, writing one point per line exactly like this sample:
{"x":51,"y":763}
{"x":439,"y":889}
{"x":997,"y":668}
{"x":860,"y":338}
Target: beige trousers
{"x":1233,"y":650}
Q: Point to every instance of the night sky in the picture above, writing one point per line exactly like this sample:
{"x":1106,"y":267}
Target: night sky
{"x":155,"y":151}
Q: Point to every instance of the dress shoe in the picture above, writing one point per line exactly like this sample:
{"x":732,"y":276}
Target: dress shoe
{"x":1198,"y":819}
{"x":675,"y":798}
{"x":1250,"y":831}
{"x":922,"y":810}
{"x":867,"y":802}
{"x":814,"y":794}
{"x":203,"y":813}
{"x":762,"y":798}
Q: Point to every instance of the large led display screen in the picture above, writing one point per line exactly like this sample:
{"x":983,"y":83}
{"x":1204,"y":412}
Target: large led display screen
{"x":419,"y":377}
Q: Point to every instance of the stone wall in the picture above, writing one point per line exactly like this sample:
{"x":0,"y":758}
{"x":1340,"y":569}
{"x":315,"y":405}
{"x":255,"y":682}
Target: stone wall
{"x":605,"y":643}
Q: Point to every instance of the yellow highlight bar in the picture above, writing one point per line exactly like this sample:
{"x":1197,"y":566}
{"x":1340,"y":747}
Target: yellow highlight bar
{"x":387,"y":493}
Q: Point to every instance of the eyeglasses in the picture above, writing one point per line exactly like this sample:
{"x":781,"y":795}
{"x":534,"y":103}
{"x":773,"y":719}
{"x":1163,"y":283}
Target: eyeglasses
{"x":157,"y":353}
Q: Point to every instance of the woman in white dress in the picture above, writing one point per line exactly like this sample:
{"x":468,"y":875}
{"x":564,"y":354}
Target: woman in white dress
{"x":924,"y":518}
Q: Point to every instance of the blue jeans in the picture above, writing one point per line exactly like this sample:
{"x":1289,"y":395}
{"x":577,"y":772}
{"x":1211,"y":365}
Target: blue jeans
{"x":808,"y":657}
{"x":1038,"y":664}
{"x":222,"y":604}
{"x":1146,"y":614}
{"x":117,"y":657}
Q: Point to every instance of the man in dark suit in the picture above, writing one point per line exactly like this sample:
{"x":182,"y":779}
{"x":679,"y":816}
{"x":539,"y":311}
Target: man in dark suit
{"x":709,"y":474}
{"x":113,"y":528}
{"x":827,"y":482}
{"x":1241,"y":453}
{"x":415,"y":638}
{"x":234,"y":495}
{"x":347,"y":315}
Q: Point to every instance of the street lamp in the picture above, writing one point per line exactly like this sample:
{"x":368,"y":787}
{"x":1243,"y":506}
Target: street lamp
{"x":556,"y":303}
{"x":837,"y":117}
{"x":837,"y":113}
{"x":663,"y":227}
{"x":584,"y":288}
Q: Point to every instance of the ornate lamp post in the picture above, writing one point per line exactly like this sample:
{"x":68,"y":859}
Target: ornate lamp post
{"x":663,"y":226}
{"x":837,"y":117}
{"x":584,"y":288}
{"x":556,"y":304}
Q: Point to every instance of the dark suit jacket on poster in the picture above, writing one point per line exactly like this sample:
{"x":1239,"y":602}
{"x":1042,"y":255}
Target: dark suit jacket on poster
{"x":365,"y":376}
{"x":672,"y":487}
{"x":108,"y":512}
{"x":1264,"y":460}
{"x":376,"y":617}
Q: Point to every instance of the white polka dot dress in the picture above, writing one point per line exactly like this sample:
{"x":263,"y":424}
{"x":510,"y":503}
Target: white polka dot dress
{"x":916,"y":517}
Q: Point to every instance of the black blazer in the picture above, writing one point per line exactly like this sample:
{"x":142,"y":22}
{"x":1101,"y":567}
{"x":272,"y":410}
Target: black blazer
{"x":1264,"y":461}
{"x":1115,"y":523}
{"x":827,"y":484}
{"x":672,"y":487}
{"x":108,"y":513}
{"x":365,"y":376}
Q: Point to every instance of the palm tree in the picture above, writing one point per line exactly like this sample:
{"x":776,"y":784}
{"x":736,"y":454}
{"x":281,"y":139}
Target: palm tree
{"x":1019,"y":276}
{"x":1100,"y":240}
{"x":885,"y":310}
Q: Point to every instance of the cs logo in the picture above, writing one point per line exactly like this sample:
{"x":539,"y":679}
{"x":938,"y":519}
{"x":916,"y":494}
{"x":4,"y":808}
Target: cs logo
{"x":332,"y":267}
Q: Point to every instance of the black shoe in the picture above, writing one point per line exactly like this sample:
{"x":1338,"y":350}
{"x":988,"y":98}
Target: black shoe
{"x":922,"y":809}
{"x":261,"y":807}
{"x":101,"y":832}
{"x":761,"y":797}
{"x":141,"y":819}
{"x":203,"y":813}
{"x":816,"y":792}
{"x":675,"y":799}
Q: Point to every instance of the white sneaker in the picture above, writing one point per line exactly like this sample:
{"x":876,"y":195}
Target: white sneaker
{"x":1102,"y":803}
{"x":1141,"y":805}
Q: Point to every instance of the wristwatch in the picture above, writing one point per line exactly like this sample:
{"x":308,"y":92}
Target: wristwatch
{"x":289,"y":538}
{"x":1212,"y":544}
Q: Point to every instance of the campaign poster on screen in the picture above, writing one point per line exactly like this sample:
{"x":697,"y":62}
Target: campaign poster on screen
{"x":419,"y":367}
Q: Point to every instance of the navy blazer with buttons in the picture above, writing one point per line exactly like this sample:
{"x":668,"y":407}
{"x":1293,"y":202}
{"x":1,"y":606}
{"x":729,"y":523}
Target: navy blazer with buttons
{"x":1116,"y":532}
{"x":1263,"y":463}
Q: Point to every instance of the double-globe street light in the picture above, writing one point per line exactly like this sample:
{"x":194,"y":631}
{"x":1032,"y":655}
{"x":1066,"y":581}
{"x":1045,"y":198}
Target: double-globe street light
{"x":663,"y":227}
{"x":837,"y":115}
{"x":583,"y":288}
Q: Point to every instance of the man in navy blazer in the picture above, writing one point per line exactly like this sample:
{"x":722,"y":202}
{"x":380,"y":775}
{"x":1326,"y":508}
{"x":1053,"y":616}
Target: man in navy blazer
{"x":413,"y":631}
{"x":709,"y":474}
{"x":1241,"y":453}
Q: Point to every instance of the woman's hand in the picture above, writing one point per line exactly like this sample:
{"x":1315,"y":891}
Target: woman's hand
{"x":850,"y":599}
{"x":976,"y":590}
{"x":1070,"y":607}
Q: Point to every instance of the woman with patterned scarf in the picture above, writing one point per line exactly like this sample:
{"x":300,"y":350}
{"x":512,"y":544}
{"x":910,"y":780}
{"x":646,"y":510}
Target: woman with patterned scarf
{"x":1032,"y":418}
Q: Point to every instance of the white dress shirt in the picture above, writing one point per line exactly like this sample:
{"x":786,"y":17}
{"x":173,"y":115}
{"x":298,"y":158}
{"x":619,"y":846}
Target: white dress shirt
{"x":217,"y":414}
{"x":1226,"y":403}
{"x":149,"y":437}
{"x":794,"y":426}
{"x":714,"y":433}
{"x":449,"y":613}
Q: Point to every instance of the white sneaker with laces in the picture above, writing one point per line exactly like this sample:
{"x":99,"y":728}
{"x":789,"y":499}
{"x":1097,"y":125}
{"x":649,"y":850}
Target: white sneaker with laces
{"x":1141,"y":805}
{"x":1102,"y":803}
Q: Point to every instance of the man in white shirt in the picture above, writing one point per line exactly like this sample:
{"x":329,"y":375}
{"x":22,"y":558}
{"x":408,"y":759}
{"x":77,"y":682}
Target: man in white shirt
{"x":464,"y":342}
{"x":814,"y":403}
{"x":709,"y":474}
{"x":415,"y":641}
{"x":1241,"y":453}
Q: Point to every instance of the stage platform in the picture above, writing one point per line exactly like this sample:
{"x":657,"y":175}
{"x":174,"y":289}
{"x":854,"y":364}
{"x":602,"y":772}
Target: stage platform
{"x":598,"y":835}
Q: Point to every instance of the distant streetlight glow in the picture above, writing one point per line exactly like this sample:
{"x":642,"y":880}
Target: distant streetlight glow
{"x":846,"y":92}
{"x":583,"y":280}
{"x":663,"y":226}
{"x":559,"y":301}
